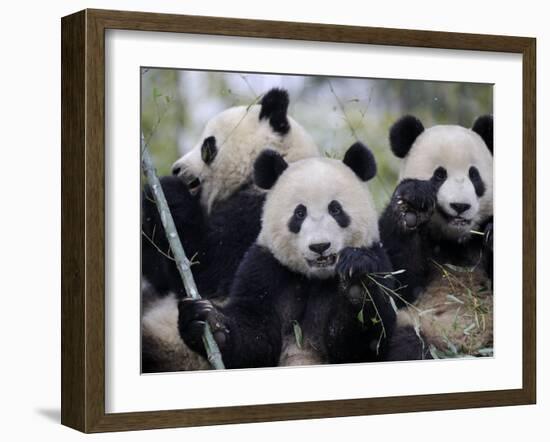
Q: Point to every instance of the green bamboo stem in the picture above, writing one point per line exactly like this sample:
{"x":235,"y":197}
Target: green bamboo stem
{"x":182,"y":262}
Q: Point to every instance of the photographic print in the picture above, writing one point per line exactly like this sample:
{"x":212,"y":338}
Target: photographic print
{"x":306,"y":220}
{"x":254,"y":209}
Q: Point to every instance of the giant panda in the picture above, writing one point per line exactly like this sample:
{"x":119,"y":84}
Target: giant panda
{"x":213,"y":200}
{"x":216,"y":208}
{"x":437,"y":230}
{"x":302,"y":295}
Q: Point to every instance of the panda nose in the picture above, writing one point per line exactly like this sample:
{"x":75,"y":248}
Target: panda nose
{"x":319,"y":247}
{"x":460,"y":207}
{"x":176,"y":170}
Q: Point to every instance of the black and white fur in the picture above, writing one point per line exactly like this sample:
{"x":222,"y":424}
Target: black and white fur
{"x":445,"y":196}
{"x":303,"y":277}
{"x":216,"y":209}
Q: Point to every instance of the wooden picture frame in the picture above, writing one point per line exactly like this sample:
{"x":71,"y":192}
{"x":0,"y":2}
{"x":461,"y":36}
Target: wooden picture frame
{"x":83,"y":219}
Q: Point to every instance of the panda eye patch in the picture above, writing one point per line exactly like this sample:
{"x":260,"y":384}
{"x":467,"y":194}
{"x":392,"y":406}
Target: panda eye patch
{"x":440,"y":174}
{"x":477,"y":181}
{"x":297,"y":218}
{"x":336,"y":210}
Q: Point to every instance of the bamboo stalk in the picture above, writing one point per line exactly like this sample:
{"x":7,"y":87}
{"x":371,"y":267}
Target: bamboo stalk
{"x":182,"y":262}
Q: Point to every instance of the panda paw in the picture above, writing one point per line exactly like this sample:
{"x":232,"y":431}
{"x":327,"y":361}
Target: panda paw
{"x":414,"y":202}
{"x":193,"y":317}
{"x":355,"y":262}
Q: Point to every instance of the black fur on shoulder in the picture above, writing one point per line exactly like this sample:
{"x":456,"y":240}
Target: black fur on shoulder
{"x":275,"y":106}
{"x":483,"y":126}
{"x":231,"y":228}
{"x":216,"y":242}
{"x":268,"y":167}
{"x":361,"y":160}
{"x":157,"y":266}
{"x":403,"y":133}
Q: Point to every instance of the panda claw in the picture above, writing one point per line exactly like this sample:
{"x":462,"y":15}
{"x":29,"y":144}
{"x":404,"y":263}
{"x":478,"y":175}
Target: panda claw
{"x":192,"y":310}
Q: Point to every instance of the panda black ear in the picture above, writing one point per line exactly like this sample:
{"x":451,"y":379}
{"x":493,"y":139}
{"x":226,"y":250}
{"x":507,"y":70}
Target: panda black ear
{"x":268,"y":167}
{"x":403,"y":133}
{"x":274,"y":107}
{"x":483,"y":126}
{"x":361,"y":160}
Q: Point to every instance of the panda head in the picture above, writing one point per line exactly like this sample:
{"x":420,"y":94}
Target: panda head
{"x":458,"y":161}
{"x":223,"y":159}
{"x":315,"y":208}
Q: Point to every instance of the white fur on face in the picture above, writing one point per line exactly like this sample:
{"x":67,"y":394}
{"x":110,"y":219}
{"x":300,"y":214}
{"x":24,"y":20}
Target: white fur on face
{"x":456,"y":149}
{"x":315,"y":183}
{"x":240,"y":137}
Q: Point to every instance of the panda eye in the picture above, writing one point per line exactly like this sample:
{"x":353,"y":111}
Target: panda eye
{"x":300,"y":212}
{"x":440,"y":174}
{"x":334,"y":208}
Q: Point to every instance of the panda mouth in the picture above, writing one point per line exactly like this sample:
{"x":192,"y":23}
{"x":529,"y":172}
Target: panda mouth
{"x":322,"y":261}
{"x":194,"y":185}
{"x":458,"y":221}
{"x":454,"y":221}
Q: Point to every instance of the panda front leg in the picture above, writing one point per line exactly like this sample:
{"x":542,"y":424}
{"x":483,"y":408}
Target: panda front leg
{"x":404,"y":235}
{"x":246,"y":337}
{"x":362,"y":318}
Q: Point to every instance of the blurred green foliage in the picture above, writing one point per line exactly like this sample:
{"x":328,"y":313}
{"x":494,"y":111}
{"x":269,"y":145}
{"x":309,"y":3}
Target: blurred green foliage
{"x":337,"y":111}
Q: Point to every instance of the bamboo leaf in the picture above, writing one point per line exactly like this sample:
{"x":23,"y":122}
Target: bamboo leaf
{"x":450,"y":345}
{"x":459,"y":269}
{"x":454,"y":298}
{"x":469,"y":328}
{"x":417,"y":331}
{"x":360,"y":317}
{"x":434,"y":352}
{"x":392,"y":302}
{"x":297,"y":334}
